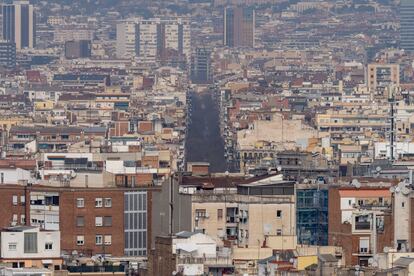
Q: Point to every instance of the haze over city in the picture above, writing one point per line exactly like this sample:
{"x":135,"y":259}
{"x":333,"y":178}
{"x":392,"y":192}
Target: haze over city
{"x":206,"y":137}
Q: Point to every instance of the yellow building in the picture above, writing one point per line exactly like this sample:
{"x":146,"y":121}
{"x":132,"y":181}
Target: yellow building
{"x":44,"y":105}
{"x":305,"y":261}
{"x":7,"y":122}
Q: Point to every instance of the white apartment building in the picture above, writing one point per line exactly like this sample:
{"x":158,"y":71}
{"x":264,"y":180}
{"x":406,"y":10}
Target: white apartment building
{"x":152,"y":39}
{"x":27,"y":246}
{"x":125,"y":39}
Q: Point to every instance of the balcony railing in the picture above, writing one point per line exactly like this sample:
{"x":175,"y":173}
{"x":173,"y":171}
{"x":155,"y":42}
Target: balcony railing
{"x":90,"y":269}
{"x":365,"y":225}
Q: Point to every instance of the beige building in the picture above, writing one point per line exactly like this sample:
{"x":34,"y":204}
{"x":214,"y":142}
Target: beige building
{"x":381,"y":76}
{"x":253,"y":215}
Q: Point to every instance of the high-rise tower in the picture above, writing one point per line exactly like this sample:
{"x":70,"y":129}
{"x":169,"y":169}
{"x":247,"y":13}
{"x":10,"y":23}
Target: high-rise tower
{"x":407,"y":25}
{"x":239,"y":25}
{"x":19,"y":24}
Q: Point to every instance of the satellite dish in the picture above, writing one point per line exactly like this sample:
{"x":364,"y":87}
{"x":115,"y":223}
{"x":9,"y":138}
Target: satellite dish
{"x":306,"y":181}
{"x":378,"y":169}
{"x":279,"y":168}
{"x":371,"y":261}
{"x":356,"y":183}
{"x":392,"y":189}
{"x":405,"y":191}
{"x":397,"y":189}
{"x":386,"y":249}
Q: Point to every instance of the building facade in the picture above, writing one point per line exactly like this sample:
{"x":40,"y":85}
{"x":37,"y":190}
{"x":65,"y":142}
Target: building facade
{"x":92,"y":221}
{"x":360,"y":221}
{"x":7,"y":54}
{"x":201,"y":66}
{"x":27,"y":246}
{"x":380,"y":77}
{"x":239,"y":27}
{"x":312,"y":216}
{"x":19,"y":24}
{"x":153,"y":39}
{"x":78,"y":49}
{"x":407,"y":25}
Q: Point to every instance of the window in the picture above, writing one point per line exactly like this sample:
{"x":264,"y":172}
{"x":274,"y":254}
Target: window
{"x":15,"y":200}
{"x":364,"y":245}
{"x":48,"y":246}
{"x":98,"y":202}
{"x":108,"y":239}
{"x":80,"y":221}
{"x":279,"y":232}
{"x":22,"y":199}
{"x":80,"y":202}
{"x":98,"y":221}
{"x":107,"y":221}
{"x":279,"y":213}
{"x":108,"y":202}
{"x":219,"y":213}
{"x":80,"y":240}
{"x":23,"y":219}
{"x":12,"y":246}
{"x":403,"y":204}
{"x":200,"y":213}
{"x":98,"y":239}
{"x":30,"y":242}
{"x":52,"y":200}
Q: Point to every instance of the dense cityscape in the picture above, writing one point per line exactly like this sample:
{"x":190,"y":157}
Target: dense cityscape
{"x":206,"y":137}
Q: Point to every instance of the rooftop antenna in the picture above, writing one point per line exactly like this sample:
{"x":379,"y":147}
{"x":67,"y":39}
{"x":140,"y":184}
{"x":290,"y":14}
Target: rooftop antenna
{"x":391,"y":100}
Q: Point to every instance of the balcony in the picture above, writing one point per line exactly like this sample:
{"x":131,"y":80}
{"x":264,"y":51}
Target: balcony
{"x":363,"y":252}
{"x":232,"y":220}
{"x":362,"y":225}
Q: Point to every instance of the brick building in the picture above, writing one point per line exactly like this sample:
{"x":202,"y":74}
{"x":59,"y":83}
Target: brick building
{"x":114,"y":221}
{"x":352,"y":212}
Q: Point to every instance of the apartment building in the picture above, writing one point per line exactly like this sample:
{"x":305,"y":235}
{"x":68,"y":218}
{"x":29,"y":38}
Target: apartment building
{"x":360,"y":221}
{"x":53,"y":138}
{"x":380,"y":77}
{"x":252,"y":212}
{"x":91,"y":221}
{"x":191,"y":253}
{"x":353,"y":121}
{"x":27,"y":246}
{"x":239,"y":27}
{"x":153,"y":39}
